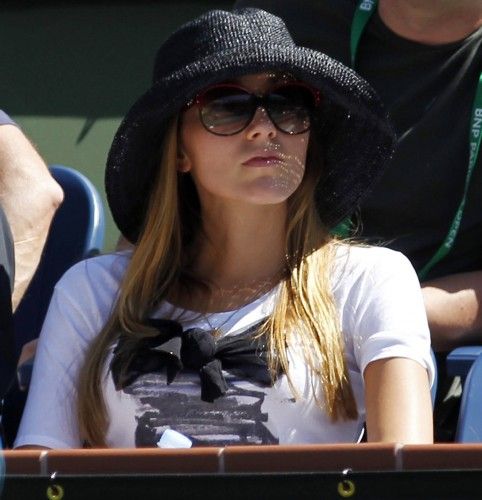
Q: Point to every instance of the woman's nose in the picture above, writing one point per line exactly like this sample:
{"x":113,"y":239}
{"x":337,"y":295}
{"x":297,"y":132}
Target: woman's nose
{"x":261,"y":125}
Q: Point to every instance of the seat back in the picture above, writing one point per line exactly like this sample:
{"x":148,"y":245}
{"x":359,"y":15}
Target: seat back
{"x":460,"y":360}
{"x":77,"y":232}
{"x":469,"y":426}
{"x":433,"y":390}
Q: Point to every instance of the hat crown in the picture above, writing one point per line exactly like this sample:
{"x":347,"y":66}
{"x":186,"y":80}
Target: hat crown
{"x":215,"y":32}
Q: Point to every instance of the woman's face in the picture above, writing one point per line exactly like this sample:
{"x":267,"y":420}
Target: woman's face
{"x":258,"y":165}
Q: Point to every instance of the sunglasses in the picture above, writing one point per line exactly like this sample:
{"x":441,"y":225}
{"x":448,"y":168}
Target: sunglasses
{"x":227,"y":109}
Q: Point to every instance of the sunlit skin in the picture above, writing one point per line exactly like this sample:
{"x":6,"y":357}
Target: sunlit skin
{"x":243,"y":182}
{"x":432,"y":22}
{"x":260,"y":165}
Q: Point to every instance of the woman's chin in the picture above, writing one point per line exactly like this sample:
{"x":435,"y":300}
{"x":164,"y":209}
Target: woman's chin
{"x":269,"y":191}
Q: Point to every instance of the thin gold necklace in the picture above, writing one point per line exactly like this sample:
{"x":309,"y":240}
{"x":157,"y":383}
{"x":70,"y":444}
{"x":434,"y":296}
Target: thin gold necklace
{"x":217,"y":331}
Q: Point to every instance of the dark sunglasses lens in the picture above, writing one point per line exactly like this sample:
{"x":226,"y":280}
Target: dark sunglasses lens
{"x":290,"y":108}
{"x":226,"y":110}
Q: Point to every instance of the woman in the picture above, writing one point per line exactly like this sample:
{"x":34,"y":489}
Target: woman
{"x":237,"y":318}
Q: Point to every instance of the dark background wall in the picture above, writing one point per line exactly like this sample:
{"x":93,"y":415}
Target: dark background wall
{"x":69,"y":72}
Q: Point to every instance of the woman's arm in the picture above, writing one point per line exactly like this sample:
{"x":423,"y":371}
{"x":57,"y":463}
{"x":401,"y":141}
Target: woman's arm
{"x":398,"y":405}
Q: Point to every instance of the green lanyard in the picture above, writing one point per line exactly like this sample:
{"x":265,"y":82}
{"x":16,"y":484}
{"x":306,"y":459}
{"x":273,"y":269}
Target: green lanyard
{"x":363,"y":13}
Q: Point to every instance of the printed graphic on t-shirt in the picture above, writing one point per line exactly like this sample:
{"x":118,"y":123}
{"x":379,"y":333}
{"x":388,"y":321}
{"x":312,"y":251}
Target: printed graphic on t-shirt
{"x":236,"y":417}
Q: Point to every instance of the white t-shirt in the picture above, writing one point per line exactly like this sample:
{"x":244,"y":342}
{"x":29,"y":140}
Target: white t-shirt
{"x":378,"y":297}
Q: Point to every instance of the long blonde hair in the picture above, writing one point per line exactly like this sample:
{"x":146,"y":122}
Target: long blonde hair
{"x":160,"y":261}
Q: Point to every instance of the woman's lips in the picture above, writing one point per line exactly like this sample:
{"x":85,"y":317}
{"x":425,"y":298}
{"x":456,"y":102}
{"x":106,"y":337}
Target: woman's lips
{"x":262,"y":161}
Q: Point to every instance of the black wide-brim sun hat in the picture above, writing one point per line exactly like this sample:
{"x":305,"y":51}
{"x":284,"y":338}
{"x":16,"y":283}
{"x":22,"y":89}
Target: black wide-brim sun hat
{"x":357,"y":140}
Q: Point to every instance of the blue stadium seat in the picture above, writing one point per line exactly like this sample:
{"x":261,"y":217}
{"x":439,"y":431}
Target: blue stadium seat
{"x":460,"y":360}
{"x":433,"y":390}
{"x":469,"y":427}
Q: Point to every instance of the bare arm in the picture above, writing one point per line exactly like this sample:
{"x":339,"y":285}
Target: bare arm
{"x":398,"y":405}
{"x":454,"y":309}
{"x":29,"y":196}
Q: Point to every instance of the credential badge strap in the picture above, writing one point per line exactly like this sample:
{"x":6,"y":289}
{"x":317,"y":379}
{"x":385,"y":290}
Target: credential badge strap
{"x":363,"y":13}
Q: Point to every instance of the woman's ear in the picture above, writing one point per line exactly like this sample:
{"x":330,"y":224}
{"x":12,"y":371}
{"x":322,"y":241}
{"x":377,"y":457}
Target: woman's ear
{"x":183,"y":163}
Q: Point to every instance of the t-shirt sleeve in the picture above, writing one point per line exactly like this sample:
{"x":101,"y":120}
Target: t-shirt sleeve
{"x":388,"y":315}
{"x":75,"y":316}
{"x":5,"y":119}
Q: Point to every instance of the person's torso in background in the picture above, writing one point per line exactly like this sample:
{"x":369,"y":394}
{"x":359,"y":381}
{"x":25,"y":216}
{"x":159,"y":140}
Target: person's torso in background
{"x":429,"y":93}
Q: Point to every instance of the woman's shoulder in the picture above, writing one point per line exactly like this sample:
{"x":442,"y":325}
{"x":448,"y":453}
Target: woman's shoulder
{"x":104,"y":270}
{"x":356,"y":262}
{"x":366,"y":255}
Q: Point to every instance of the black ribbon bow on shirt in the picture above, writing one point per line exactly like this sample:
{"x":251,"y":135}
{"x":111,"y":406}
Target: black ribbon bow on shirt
{"x":196,"y":349}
